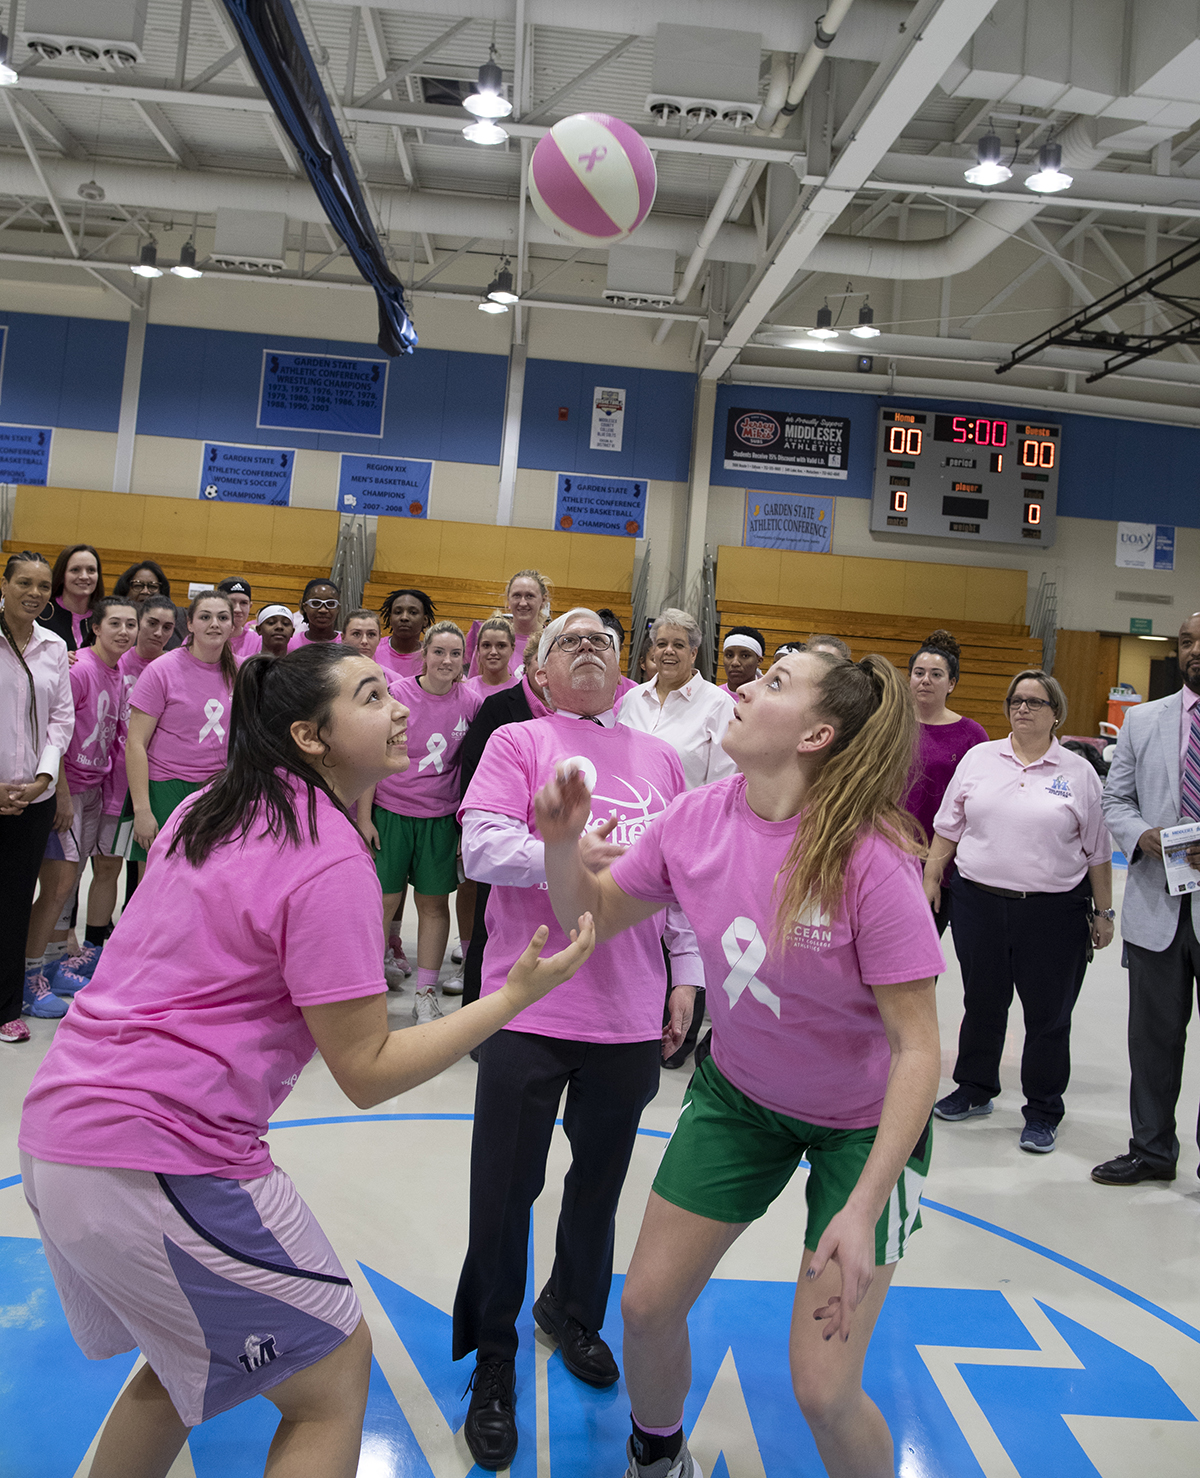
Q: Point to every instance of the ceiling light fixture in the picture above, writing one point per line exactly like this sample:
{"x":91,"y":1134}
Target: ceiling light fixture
{"x":989,"y":170}
{"x":500,"y":289}
{"x":489,"y":101}
{"x":147,"y":263}
{"x":187,"y":262}
{"x":484,"y":132}
{"x":8,"y":77}
{"x":1049,"y":175}
{"x":866,"y":324}
{"x":824,"y":328}
{"x":489,"y":305}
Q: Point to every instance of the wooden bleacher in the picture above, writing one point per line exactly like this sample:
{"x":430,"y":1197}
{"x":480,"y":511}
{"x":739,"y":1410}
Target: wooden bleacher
{"x":192,"y":540}
{"x":992,"y":650}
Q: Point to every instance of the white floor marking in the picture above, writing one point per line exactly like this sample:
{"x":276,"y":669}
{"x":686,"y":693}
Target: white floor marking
{"x":724,"y":1426}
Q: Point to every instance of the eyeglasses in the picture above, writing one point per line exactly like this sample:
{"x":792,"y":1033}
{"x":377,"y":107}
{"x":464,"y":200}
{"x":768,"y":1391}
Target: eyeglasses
{"x":149,"y":586}
{"x":599,"y":641}
{"x":322,"y":605}
{"x":1034,"y":705}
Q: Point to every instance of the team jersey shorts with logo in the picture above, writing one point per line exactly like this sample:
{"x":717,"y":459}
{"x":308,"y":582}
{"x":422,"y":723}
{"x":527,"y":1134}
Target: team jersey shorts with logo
{"x":227,"y":1287}
{"x":421,"y":850}
{"x":729,"y":1158}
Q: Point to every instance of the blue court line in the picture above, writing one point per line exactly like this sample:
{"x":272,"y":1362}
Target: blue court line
{"x":1069,"y":1263}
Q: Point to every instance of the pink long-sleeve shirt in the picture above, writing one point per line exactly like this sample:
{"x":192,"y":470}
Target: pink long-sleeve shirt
{"x":33,"y":743}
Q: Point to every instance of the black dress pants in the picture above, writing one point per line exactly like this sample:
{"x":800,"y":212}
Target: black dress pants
{"x":1162,"y":987}
{"x":520,"y":1083}
{"x":22,"y":845}
{"x":1039,"y":946}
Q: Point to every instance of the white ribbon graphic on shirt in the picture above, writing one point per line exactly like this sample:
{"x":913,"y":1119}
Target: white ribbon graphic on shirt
{"x":214,"y":712}
{"x":101,"y":715}
{"x":745,"y":963}
{"x":434,"y":751}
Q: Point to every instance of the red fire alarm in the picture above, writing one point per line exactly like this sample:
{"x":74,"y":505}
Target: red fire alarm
{"x":562,"y":413}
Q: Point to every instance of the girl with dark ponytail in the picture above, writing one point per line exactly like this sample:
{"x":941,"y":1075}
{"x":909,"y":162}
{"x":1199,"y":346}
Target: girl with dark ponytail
{"x":162,"y":1077}
{"x":799,"y":876}
{"x":944,"y":737}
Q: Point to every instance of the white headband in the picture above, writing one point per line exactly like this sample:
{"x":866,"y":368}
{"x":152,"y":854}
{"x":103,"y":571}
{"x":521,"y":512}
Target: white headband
{"x":269,"y":611}
{"x":740,"y":640}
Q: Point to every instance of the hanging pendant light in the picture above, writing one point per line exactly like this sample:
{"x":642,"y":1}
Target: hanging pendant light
{"x":187,"y":262}
{"x":865,"y":329}
{"x":988,"y":170}
{"x":500,"y":289}
{"x":147,"y":263}
{"x":824,"y":328}
{"x":489,"y":101}
{"x":1049,"y":175}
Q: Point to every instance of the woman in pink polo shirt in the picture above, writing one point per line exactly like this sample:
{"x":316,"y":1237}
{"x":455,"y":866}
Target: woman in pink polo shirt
{"x":1032,"y":895}
{"x":165,"y":1223}
{"x":799,"y":877}
{"x":179,"y":719}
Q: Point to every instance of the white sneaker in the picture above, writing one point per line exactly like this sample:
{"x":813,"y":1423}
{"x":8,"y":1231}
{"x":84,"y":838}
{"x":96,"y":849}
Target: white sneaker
{"x":453,"y":986}
{"x":683,"y":1466}
{"x":456,"y":954}
{"x":395,"y":971}
{"x":425,"y":1007}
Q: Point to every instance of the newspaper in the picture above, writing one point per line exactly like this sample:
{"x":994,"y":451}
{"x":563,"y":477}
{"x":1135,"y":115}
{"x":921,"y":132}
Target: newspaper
{"x":1182,"y":876}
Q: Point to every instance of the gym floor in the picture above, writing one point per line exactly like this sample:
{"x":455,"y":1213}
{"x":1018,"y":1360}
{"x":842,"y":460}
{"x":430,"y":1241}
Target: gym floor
{"x":1041,"y":1325}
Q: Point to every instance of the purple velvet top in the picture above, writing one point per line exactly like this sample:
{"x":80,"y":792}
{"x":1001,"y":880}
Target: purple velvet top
{"x":939,"y":749}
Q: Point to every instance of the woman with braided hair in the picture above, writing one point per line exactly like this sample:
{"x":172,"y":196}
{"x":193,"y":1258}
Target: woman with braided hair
{"x":37,"y":719}
{"x":800,"y":878}
{"x":404,"y":618}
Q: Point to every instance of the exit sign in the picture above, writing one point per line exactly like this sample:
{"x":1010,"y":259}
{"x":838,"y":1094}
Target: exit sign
{"x":1141,"y":626}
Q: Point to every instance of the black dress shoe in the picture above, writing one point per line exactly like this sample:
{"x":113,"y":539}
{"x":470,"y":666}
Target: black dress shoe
{"x":1130,"y":1170}
{"x":491,"y":1425}
{"x":584,"y":1353}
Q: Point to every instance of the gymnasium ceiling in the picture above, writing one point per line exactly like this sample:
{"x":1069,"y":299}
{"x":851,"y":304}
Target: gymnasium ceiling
{"x":862,"y":198}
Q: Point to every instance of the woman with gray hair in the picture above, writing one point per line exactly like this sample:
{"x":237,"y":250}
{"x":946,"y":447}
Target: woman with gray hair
{"x":1032,"y":897}
{"x":681,"y":706}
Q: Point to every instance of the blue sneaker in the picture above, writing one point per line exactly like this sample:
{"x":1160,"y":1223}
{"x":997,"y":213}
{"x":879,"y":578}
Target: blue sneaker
{"x":85,"y":962}
{"x":40,"y":1000}
{"x":1038,"y":1137}
{"x":65,"y":979}
{"x":958,"y":1105}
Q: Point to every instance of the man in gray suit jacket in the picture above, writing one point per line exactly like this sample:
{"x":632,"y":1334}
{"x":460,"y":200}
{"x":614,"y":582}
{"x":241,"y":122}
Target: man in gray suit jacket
{"x":1141,"y":796}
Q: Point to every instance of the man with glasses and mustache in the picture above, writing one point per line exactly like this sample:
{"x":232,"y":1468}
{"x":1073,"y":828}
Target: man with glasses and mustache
{"x":1155,"y":782}
{"x":602,"y":1043}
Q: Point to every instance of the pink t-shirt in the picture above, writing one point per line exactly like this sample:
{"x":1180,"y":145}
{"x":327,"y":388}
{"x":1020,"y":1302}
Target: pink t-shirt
{"x":178,"y":1057}
{"x":484,"y":690}
{"x":97,"y":691}
{"x":302,"y":639}
{"x":516,"y":661}
{"x":797,"y":1031}
{"x":401,"y":664}
{"x":617,"y":996}
{"x":246,"y":644}
{"x":131,"y":667}
{"x":190,"y":700}
{"x":437,"y":726}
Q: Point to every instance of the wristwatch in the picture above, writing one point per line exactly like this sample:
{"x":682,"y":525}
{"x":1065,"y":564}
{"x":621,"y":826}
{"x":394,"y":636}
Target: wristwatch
{"x":1106,"y":913}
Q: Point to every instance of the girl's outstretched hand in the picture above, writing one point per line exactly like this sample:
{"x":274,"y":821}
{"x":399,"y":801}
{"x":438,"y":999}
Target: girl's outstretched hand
{"x":532,"y":977}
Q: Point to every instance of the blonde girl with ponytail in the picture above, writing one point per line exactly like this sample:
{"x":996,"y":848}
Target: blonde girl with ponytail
{"x":800,"y":877}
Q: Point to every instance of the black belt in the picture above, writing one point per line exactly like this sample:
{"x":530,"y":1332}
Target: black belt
{"x":999,"y":892}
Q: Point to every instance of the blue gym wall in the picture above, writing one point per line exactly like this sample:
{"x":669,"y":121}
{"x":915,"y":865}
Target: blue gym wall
{"x":202,"y":384}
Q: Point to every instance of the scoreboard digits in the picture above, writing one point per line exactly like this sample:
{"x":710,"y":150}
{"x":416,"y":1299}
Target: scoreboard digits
{"x":966,"y":477}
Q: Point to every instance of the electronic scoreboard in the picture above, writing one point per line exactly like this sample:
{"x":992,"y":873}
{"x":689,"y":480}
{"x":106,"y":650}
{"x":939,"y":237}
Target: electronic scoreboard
{"x":972,"y":478}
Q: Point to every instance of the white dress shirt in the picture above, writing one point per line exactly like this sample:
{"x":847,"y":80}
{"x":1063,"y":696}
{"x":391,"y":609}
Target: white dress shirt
{"x":33,"y":745}
{"x":692,"y":721}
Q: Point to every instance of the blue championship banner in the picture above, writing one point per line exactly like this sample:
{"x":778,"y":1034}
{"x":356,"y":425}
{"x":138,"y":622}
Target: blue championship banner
{"x":25,"y":454}
{"x":384,"y":485}
{"x":788,"y":521}
{"x":322,"y":393}
{"x":246,"y":474}
{"x":600,"y":505}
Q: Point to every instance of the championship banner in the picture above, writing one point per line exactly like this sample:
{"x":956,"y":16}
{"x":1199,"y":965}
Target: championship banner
{"x":600,"y":505}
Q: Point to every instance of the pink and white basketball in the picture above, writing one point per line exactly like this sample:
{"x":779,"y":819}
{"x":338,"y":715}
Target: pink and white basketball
{"x":592,"y":179}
